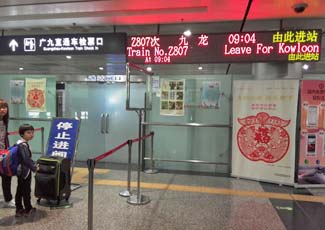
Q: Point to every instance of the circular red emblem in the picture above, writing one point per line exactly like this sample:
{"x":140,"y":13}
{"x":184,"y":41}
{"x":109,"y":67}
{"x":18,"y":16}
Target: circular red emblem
{"x":263,"y":137}
{"x":35,"y":98}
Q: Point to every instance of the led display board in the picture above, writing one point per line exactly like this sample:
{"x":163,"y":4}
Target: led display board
{"x":105,"y":43}
{"x":289,"y":46}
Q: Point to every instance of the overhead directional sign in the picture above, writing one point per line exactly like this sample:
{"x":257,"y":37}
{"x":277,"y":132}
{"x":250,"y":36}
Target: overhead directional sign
{"x":104,"y":43}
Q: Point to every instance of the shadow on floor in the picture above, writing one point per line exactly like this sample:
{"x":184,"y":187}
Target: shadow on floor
{"x":12,"y":220}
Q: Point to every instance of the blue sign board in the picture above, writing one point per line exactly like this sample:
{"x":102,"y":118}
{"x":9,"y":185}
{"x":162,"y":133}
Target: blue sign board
{"x":63,"y":137}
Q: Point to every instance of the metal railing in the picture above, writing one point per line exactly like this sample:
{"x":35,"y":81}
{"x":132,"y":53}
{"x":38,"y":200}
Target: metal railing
{"x":153,"y":160}
{"x":187,"y":124}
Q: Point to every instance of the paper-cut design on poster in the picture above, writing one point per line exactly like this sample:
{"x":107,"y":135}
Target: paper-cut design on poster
{"x":210,"y":94}
{"x":35,"y":94}
{"x":172,"y":97}
{"x":264,"y":130}
{"x":17,"y":91}
{"x":263,"y":137}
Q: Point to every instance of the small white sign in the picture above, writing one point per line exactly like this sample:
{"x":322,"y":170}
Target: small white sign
{"x":29,"y":44}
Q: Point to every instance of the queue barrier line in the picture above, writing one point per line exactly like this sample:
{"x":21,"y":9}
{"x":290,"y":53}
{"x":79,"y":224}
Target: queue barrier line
{"x":144,"y":137}
{"x":110,"y":152}
{"x":91,"y":163}
{"x":102,"y":156}
{"x":16,"y":132}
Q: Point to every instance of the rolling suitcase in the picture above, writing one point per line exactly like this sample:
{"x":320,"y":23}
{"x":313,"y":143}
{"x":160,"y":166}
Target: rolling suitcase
{"x":52,"y":179}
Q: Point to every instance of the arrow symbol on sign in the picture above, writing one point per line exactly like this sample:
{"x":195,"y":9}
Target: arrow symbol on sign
{"x":13,"y":45}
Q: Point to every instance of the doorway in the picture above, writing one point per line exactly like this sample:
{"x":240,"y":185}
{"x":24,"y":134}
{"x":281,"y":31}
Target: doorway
{"x":105,"y":122}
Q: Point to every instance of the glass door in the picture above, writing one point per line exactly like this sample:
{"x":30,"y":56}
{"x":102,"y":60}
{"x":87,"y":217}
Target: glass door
{"x":105,"y":123}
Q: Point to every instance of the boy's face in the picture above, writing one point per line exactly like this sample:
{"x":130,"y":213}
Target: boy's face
{"x":28,"y":135}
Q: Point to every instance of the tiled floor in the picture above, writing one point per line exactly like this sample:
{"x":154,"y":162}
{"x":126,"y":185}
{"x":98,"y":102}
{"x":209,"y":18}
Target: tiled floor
{"x":178,"y":201}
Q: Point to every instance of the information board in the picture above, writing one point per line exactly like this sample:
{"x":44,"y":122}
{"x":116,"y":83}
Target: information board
{"x":290,"y":46}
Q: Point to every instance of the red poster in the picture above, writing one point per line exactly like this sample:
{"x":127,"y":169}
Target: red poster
{"x":264,"y":130}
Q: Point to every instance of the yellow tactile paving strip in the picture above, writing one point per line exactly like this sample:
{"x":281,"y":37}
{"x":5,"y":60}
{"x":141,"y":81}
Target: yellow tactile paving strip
{"x":80,"y":176}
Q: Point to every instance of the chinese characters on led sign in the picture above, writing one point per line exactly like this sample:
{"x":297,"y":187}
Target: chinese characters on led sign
{"x":145,"y":46}
{"x":300,"y":45}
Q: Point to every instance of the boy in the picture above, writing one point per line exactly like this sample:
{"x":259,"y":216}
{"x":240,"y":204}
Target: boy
{"x":24,"y":172}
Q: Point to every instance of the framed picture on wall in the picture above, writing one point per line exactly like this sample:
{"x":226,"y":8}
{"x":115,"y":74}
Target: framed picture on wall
{"x":172,"y":97}
{"x":17,"y":91}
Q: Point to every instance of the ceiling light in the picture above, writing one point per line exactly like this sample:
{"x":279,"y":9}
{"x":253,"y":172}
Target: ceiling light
{"x":21,"y":68}
{"x":68,"y":57}
{"x":187,"y":33}
{"x":200,"y":67}
{"x":101,"y":68}
{"x":149,"y":69}
{"x":305,"y":66}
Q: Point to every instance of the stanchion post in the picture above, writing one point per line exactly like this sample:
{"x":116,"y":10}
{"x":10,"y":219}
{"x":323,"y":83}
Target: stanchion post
{"x":152,"y":169}
{"x":91,"y":167}
{"x":138,"y":198}
{"x":127,"y":193}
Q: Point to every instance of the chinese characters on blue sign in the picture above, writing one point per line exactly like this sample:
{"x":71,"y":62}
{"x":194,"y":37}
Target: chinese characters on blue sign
{"x":63,"y":138}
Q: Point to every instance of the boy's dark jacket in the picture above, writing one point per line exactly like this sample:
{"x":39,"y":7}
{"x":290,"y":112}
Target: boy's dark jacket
{"x":25,"y":160}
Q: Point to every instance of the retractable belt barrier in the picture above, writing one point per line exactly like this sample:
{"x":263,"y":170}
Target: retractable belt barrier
{"x":37,"y":129}
{"x":16,"y":132}
{"x":100,"y":157}
{"x":91,"y":163}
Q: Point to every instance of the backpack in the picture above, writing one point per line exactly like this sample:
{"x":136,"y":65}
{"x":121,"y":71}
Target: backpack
{"x":9,"y":161}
